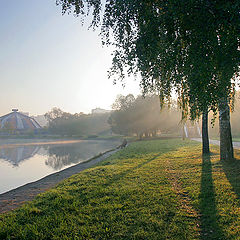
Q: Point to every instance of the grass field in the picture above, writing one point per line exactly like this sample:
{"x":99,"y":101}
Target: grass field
{"x":161,"y":189}
{"x":234,"y":139}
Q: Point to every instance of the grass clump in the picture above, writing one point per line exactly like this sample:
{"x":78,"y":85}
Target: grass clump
{"x":159,"y":189}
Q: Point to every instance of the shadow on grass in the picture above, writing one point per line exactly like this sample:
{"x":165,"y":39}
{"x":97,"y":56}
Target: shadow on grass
{"x":121,"y":175}
{"x":209,"y":216}
{"x":232,"y":172}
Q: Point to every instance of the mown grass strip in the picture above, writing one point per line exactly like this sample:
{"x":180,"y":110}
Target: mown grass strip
{"x":150,"y":190}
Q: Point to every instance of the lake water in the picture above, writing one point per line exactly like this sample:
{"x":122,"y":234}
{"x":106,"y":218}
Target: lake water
{"x":27,"y":163}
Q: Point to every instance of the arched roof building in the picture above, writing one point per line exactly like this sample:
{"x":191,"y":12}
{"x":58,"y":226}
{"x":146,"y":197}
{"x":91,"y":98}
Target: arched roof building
{"x":18,"y":121}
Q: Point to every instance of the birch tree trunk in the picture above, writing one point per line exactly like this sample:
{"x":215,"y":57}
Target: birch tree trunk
{"x":226,"y":146}
{"x":205,"y":139}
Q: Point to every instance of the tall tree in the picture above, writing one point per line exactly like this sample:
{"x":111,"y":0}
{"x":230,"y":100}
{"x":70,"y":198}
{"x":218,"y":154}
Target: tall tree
{"x":174,"y":45}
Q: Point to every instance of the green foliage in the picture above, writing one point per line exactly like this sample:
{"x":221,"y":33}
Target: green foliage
{"x":149,"y":190}
{"x":79,"y":124}
{"x":189,"y":46}
{"x":142,"y":116}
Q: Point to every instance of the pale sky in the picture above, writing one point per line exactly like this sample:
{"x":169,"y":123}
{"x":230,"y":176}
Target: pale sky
{"x":48,"y":60}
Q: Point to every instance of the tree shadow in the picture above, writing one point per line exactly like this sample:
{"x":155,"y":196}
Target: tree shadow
{"x":232,"y":172}
{"x":121,"y":175}
{"x":208,"y":211}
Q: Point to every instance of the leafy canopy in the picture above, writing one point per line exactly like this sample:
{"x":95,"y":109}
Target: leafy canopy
{"x":191,"y":46}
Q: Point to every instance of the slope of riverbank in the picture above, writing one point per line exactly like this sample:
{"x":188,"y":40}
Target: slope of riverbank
{"x":160,"y":189}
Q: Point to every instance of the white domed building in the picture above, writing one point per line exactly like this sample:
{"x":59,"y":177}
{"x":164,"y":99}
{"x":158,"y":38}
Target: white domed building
{"x":18,"y":122}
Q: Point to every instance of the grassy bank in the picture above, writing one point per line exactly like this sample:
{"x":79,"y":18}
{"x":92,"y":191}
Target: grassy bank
{"x":150,"y":190}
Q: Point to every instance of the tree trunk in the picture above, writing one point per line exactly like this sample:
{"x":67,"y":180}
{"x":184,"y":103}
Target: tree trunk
{"x":183,"y":133}
{"x":205,"y":139}
{"x":226,"y":146}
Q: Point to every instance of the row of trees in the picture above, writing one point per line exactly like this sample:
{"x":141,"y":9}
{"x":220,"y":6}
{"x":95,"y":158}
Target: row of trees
{"x":132,"y":116}
{"x":142,"y":117}
{"x":189,"y":46}
{"x":78,"y":124}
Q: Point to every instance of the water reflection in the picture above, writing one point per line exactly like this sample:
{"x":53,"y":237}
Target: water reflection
{"x":23,"y":164}
{"x":56,"y":156}
{"x":15,"y":155}
{"x":61,"y":156}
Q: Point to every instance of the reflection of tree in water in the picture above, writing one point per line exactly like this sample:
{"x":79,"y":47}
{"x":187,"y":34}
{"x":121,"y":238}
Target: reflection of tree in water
{"x":15,"y":155}
{"x":64,"y":155}
{"x":60,"y":156}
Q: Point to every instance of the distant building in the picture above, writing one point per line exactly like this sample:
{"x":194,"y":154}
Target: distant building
{"x":100,"y":110}
{"x":41,"y":120}
{"x":18,"y":122}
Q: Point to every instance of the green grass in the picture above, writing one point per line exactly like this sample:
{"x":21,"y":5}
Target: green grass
{"x":235,"y":139}
{"x":159,"y":189}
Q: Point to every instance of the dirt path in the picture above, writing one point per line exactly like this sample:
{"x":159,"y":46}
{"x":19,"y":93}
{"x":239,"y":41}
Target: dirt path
{"x":16,"y":197}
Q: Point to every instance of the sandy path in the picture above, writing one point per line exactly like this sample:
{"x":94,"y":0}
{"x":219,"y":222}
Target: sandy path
{"x":16,"y":197}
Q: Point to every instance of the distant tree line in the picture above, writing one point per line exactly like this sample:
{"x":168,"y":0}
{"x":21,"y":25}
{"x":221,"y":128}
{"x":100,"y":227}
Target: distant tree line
{"x":78,"y":124}
{"x":143,"y":117}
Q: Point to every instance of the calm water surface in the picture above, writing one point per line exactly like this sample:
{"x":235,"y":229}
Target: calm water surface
{"x":23,"y":164}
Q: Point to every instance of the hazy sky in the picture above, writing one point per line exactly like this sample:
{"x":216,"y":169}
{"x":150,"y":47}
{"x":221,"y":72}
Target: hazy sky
{"x":49,"y":60}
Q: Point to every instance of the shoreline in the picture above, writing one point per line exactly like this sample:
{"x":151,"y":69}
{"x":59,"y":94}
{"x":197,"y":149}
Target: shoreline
{"x":16,"y":197}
